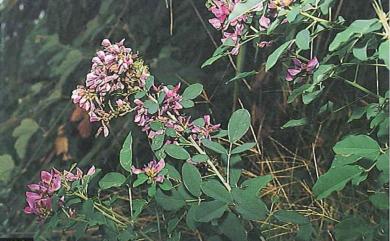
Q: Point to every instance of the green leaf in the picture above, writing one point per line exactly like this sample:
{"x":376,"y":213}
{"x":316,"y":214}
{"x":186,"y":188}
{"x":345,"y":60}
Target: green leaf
{"x":200,"y":158}
{"x":360,"y":52}
{"x":212,"y":59}
{"x":380,"y":200}
{"x":138,"y":206}
{"x":6,"y":166}
{"x":358,"y":27}
{"x":190,"y":217}
{"x":207,"y":211}
{"x":323,"y":72}
{"x":383,"y":162}
{"x":176,"y":152}
{"x":192,"y":91}
{"x":192,"y":179}
{"x":243,"y":7}
{"x":295,"y":123}
{"x":23,"y":133}
{"x":249,"y":205}
{"x":156,"y":125}
{"x":291,"y":216}
{"x":243,"y":147}
{"x":141,"y":179}
{"x":172,"y":172}
{"x":297,"y":92}
{"x":187,"y":103}
{"x":384,"y":50}
{"x":254,"y":185}
{"x":325,"y":5}
{"x":172,"y":224}
{"x":352,"y":229}
{"x":126,"y":153}
{"x":149,"y":82}
{"x":293,"y":13}
{"x":166,"y":185}
{"x":303,"y":39}
{"x":217,"y":191}
{"x":273,"y":58}
{"x":242,"y":76}
{"x":359,"y":145}
{"x":170,"y":203}
{"x":238,"y":125}
{"x":340,"y":160}
{"x":357,"y":113}
{"x":111,"y":179}
{"x":157,"y":142}
{"x":232,"y":228}
{"x":214,"y":146}
{"x":308,"y":97}
{"x":151,"y":106}
{"x":335,"y":180}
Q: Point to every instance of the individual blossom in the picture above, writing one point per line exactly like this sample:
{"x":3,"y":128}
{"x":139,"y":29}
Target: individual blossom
{"x":301,"y":68}
{"x":152,"y":170}
{"x":200,"y":132}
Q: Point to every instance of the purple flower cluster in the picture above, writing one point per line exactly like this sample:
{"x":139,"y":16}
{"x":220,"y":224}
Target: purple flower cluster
{"x":230,"y":29}
{"x":39,"y":198}
{"x":115,"y":74}
{"x":301,"y":68}
{"x":152,"y":170}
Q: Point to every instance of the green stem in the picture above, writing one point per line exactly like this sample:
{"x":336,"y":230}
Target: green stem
{"x":357,"y":86}
{"x":240,"y":67}
{"x":211,"y":164}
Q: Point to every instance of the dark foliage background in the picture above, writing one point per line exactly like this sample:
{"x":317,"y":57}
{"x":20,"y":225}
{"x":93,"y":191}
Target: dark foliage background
{"x":45,"y":51}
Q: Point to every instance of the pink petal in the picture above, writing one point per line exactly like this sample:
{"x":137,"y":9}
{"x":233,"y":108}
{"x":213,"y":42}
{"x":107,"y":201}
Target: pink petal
{"x":91,"y":171}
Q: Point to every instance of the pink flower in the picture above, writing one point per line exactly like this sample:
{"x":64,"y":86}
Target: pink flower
{"x":69,"y":176}
{"x":264,"y":23}
{"x":204,"y":131}
{"x":300,"y":67}
{"x":152,"y":170}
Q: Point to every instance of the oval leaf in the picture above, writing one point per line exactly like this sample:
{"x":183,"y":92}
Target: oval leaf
{"x":358,"y":145}
{"x":192,"y":91}
{"x":192,"y":179}
{"x":335,"y":180}
{"x":176,"y":152}
{"x":238,"y":125}
{"x":112,"y":179}
{"x":126,"y":153}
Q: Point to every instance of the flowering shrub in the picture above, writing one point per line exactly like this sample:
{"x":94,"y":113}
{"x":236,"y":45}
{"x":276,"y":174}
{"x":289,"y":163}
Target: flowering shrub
{"x":118,"y":84}
{"x":196,"y":177}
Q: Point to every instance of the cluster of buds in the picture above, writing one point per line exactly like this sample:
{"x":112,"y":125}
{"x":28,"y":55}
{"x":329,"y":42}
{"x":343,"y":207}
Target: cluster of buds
{"x":116,"y":73}
{"x":231,"y":28}
{"x":39,"y":198}
{"x":301,"y":68}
